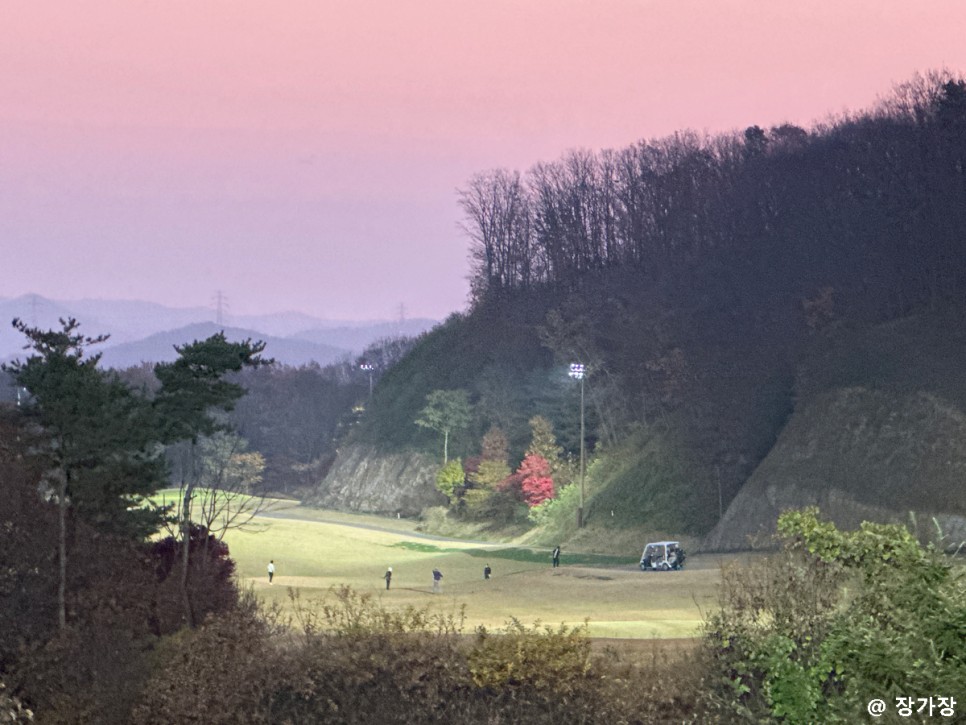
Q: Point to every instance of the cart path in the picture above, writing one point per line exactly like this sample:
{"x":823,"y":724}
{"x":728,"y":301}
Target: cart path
{"x":294,"y":516}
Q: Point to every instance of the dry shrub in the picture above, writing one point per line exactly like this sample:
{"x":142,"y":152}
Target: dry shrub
{"x":543,"y":658}
{"x":658,"y":687}
{"x":361,"y":663}
{"x":351,"y":660}
{"x":358,"y":661}
{"x":217,"y":673}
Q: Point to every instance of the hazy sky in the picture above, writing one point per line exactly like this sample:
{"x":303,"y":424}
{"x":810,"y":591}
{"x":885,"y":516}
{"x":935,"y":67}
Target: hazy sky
{"x":306,"y":154}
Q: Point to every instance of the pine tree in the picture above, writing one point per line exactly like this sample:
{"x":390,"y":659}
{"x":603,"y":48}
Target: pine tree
{"x":101,"y":438}
{"x":193,"y":391}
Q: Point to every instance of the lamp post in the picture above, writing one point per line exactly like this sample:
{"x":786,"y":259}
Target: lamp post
{"x":368,"y":367}
{"x":577,"y":373}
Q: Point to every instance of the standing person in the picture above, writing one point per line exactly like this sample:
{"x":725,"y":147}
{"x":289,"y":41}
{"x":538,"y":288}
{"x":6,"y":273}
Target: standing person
{"x":487,"y":571}
{"x":556,"y":556}
{"x":388,"y":577}
{"x":437,"y":581}
{"x":271,"y":570}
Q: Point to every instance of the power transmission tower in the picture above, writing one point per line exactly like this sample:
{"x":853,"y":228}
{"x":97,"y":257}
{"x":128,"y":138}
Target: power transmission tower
{"x":221,"y":306}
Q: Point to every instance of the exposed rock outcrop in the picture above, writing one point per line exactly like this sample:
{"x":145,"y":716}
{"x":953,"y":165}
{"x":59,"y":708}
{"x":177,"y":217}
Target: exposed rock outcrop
{"x":365,"y":480}
{"x":859,"y":455}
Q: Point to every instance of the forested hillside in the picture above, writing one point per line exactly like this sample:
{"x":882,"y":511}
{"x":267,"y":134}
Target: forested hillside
{"x":694,"y":276}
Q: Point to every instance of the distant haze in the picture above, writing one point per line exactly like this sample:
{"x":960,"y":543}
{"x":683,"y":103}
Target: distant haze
{"x":305,"y":155}
{"x":147,"y":332}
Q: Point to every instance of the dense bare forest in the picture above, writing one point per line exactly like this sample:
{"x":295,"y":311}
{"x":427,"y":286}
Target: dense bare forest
{"x":870,"y":205}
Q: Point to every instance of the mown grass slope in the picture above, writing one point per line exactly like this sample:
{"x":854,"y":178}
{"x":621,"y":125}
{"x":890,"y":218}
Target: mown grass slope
{"x":618,"y":600}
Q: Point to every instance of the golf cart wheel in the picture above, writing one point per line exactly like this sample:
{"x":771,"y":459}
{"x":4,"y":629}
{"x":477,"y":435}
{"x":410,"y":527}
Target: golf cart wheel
{"x":665,"y":566}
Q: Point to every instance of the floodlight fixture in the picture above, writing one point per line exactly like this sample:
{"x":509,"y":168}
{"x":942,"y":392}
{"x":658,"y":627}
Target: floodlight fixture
{"x":368,"y":367}
{"x":577,"y":373}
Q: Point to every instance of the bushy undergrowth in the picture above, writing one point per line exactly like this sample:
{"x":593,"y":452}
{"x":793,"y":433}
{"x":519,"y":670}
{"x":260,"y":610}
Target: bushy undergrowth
{"x":348,"y":659}
{"x":215,"y":673}
{"x":542,"y":658}
{"x":836,"y":619}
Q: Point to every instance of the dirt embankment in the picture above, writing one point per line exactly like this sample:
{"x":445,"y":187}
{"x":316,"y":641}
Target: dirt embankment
{"x":859,"y":455}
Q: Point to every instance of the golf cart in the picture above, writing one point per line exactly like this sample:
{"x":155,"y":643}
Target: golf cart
{"x":662,"y":556}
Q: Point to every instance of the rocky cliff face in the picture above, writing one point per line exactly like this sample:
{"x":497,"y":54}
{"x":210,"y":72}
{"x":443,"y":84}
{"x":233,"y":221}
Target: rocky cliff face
{"x":362,"y":479}
{"x":859,"y":455}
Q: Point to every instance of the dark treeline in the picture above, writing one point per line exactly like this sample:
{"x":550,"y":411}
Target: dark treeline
{"x":872,"y":205}
{"x":292,"y":415}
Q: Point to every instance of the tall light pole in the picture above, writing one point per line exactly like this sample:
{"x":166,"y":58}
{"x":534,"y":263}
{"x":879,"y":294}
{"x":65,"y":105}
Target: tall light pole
{"x":577,"y":373}
{"x":368,"y":367}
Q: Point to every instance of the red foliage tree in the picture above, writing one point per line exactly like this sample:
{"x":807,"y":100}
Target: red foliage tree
{"x":537,"y":489}
{"x":537,"y":483}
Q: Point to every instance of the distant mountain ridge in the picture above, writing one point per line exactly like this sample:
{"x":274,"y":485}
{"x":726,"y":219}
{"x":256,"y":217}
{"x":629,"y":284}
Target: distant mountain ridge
{"x":160,"y":347}
{"x":147,"y":331}
{"x":358,"y":337}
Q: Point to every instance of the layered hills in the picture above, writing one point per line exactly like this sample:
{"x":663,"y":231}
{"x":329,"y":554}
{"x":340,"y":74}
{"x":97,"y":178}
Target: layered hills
{"x":147,"y":332}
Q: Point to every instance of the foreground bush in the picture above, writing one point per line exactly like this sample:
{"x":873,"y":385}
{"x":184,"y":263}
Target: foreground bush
{"x":350,"y":660}
{"x":119,"y":601}
{"x":838,"y":618}
{"x":545,"y":659}
{"x":214,"y":674}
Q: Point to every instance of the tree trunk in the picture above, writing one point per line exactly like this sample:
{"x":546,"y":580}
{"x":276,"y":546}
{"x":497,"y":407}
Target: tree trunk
{"x":62,"y":554}
{"x":186,"y":553}
{"x":445,"y":447}
{"x":203,"y":563}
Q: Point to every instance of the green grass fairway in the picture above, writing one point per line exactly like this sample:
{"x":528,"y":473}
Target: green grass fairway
{"x":317,"y":551}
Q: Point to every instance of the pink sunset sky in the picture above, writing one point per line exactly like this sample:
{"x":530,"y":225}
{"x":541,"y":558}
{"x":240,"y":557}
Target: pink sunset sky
{"x":305,"y":155}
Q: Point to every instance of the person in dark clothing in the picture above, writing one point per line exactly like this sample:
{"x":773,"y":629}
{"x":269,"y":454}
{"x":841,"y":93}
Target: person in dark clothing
{"x":437,"y":581}
{"x":556,"y":557}
{"x":487,"y":571}
{"x":388,"y":577}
